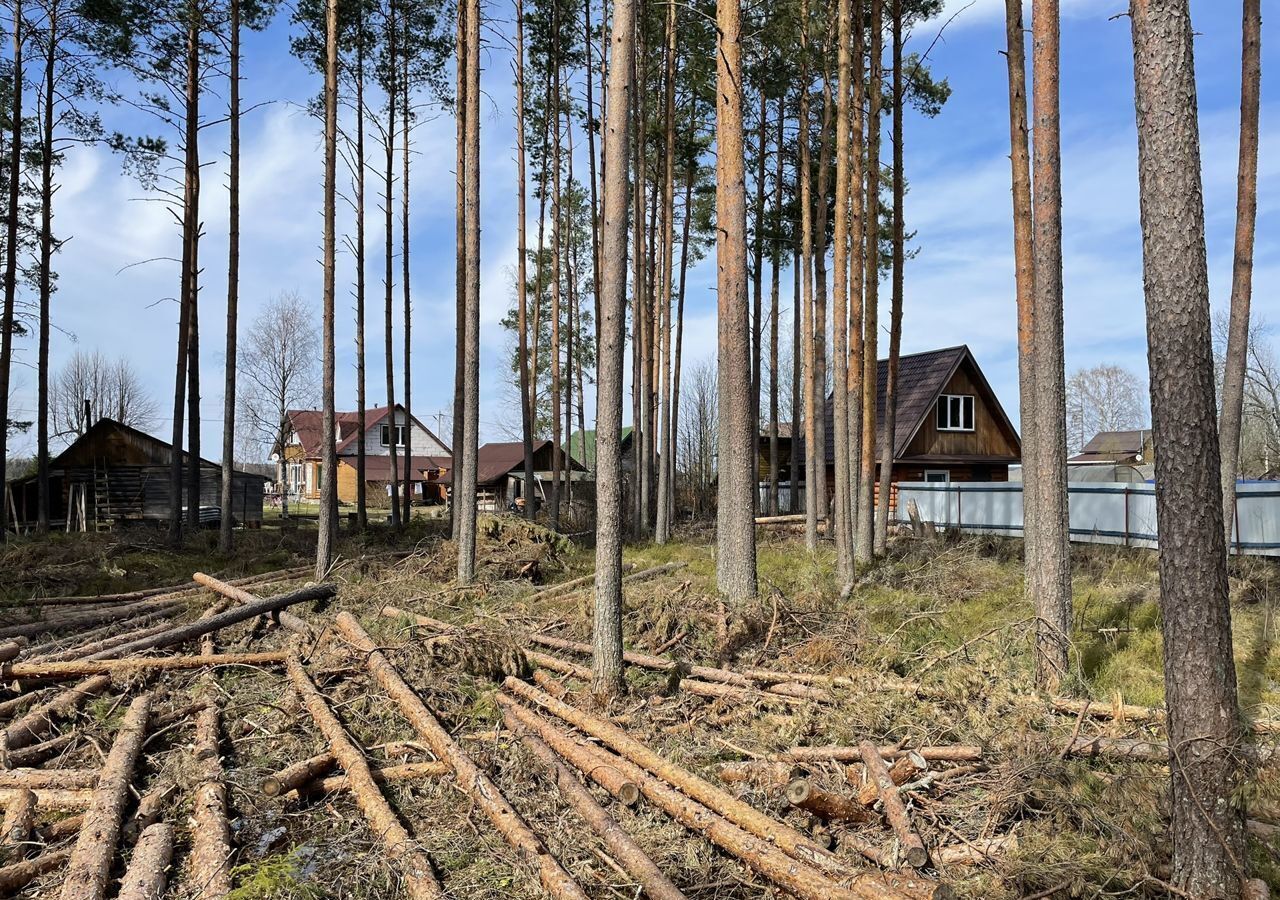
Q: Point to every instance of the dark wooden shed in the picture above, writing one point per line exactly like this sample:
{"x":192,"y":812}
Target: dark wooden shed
{"x":114,"y":474}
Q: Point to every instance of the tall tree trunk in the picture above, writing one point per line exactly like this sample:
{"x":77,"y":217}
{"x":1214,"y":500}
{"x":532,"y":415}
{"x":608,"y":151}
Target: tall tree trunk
{"x":591,"y":163}
{"x":757,"y":296}
{"x":557,"y":246}
{"x":606,"y":640}
{"x":864,"y":545}
{"x":571,"y":318}
{"x":814,"y":451}
{"x":640,"y":487}
{"x":895,"y":303}
{"x":327,"y":536}
{"x":1024,"y":277}
{"x":690,"y":175}
{"x":46,"y":273}
{"x":192,"y":286}
{"x":460,"y":273}
{"x":797,"y":364}
{"x":735,"y":526}
{"x":841,"y":507}
{"x":233,"y":283}
{"x":389,"y":271}
{"x":820,"y":291}
{"x":1051,"y":578}
{"x":362,"y":485}
{"x":856,"y":364}
{"x":471,"y":381}
{"x":406,"y":514}
{"x":666,"y":465}
{"x":775,"y":263}
{"x":522,"y":277}
{"x":1199,"y":673}
{"x":14,"y":188}
{"x":1233,"y":376}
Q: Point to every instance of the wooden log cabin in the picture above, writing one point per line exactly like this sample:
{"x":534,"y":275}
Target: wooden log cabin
{"x":950,"y":425}
{"x":114,"y":475}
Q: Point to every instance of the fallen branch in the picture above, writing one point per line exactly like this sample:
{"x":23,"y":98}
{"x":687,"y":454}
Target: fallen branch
{"x":78,"y":668}
{"x":482,"y":791}
{"x":95,"y":849}
{"x":36,"y":723}
{"x":972,"y":853}
{"x":148,"y":871}
{"x":37,"y":753}
{"x":1127,"y":712}
{"x":150,"y":809}
{"x":1118,"y":748}
{"x":657,"y":886}
{"x":239,"y":595}
{"x":17,"y":876}
{"x":135,"y":628}
{"x":383,"y":774}
{"x":420,"y":881}
{"x":294,"y":776}
{"x":574,"y":583}
{"x":910,"y":846}
{"x":22,"y":701}
{"x":836,"y":753}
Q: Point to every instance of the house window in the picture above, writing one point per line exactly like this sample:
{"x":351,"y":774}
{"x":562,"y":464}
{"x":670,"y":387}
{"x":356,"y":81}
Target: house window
{"x":386,"y":435}
{"x":295,"y":477}
{"x":940,"y":476}
{"x":955,"y":412}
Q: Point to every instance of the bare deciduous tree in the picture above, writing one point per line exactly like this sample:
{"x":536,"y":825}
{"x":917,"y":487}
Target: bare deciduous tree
{"x":698,"y":436}
{"x":1103,"y":398}
{"x":109,"y":388}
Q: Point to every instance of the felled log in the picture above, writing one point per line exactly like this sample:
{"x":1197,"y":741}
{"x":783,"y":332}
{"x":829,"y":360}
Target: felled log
{"x":903,"y":770}
{"x":420,"y":881}
{"x":15,"y":877}
{"x":90,"y":862}
{"x":78,"y":668}
{"x":93,"y":641}
{"x":35,"y":754}
{"x":479,"y":787}
{"x":768,"y":772}
{"x":19,"y":820}
{"x":790,"y":519}
{"x":395,"y":612}
{"x":148,"y":872}
{"x":75,"y":779}
{"x":192,"y":630}
{"x":37,"y":722}
{"x":792,"y":842}
{"x":910,"y":846}
{"x":657,"y":886}
{"x":93,"y":619}
{"x":22,"y":701}
{"x":383,"y":774}
{"x":150,"y":809}
{"x":975,"y":852}
{"x":186,"y":589}
{"x":951,"y":753}
{"x":9,"y":650}
{"x":800,"y":878}
{"x":50,"y":797}
{"x":63,"y":828}
{"x":294,"y":776}
{"x":802,"y":793}
{"x":1118,"y":748}
{"x":240,"y":595}
{"x":208,"y":867}
{"x":1128,"y":712}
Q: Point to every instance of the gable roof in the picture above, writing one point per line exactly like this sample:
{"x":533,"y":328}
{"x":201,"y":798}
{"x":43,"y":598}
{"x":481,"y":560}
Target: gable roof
{"x":921,"y":378}
{"x":156,"y":451}
{"x":1114,"y":446}
{"x":498,"y":458}
{"x":308,"y":425}
{"x":582,"y":445}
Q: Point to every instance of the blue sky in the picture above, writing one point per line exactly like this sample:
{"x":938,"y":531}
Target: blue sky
{"x":959,"y":289}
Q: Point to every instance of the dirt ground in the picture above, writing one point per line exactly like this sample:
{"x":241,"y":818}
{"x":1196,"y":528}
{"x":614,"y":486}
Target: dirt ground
{"x":945,"y":618}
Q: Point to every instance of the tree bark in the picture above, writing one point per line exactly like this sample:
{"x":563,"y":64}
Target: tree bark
{"x":775,"y":264}
{"x":406,"y":515}
{"x":840,"y":437}
{"x":522,"y":279}
{"x":1200,"y":678}
{"x":192,"y":285}
{"x":389,"y":271}
{"x":819,"y":262}
{"x":362,"y":484}
{"x":460,"y":263}
{"x":225,"y":538}
{"x":606,"y":665}
{"x":864,"y":547}
{"x":895,"y":303}
{"x":14,"y":193}
{"x":148,"y":872}
{"x":557,"y":246}
{"x":471,"y":380}
{"x":814,"y":452}
{"x":857,"y":278}
{"x":666,"y":465}
{"x":327,"y":536}
{"x":45,"y":278}
{"x":735,"y":527}
{"x":1051,"y":577}
{"x":757,"y":295}
{"x":1233,"y":376}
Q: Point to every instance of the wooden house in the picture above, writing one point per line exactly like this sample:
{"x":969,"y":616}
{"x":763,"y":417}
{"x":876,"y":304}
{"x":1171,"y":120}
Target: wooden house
{"x":950,"y":425}
{"x":114,"y":475}
{"x":500,"y":471}
{"x":301,"y":457}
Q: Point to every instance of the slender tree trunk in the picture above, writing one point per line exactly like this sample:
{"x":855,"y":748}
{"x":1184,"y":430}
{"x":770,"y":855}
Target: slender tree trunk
{"x":389,"y":273}
{"x":775,"y":263}
{"x":45,"y":274}
{"x":406,"y":515}
{"x":666,"y":465}
{"x":735,"y":526}
{"x":460,"y":273}
{"x":840,"y":437}
{"x":522,"y":276}
{"x":233,"y":284}
{"x":864,"y":546}
{"x":757,"y":297}
{"x":797,"y":365}
{"x":820,"y":292}
{"x":192,"y":285}
{"x":1199,"y":673}
{"x":471,"y":381}
{"x":1242,"y":271}
{"x":813,"y":448}
{"x":1024,"y":277}
{"x":571,"y":319}
{"x":606,"y":641}
{"x":328,"y":523}
{"x":1051,"y":578}
{"x":362,"y":485}
{"x":14,"y":188}
{"x":640,"y":488}
{"x":540,"y":271}
{"x":557,"y":246}
{"x":895,"y":303}
{"x":856,"y":363}
{"x":671,"y":444}
{"x":591,"y":163}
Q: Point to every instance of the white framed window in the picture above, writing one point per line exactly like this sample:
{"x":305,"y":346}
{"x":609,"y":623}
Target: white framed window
{"x":955,"y":412}
{"x":940,"y":476}
{"x":386,"y":435}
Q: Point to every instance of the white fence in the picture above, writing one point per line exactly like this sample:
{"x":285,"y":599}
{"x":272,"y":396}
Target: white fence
{"x":1100,"y":513}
